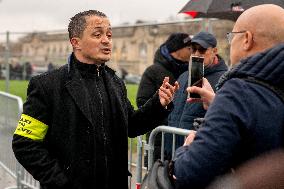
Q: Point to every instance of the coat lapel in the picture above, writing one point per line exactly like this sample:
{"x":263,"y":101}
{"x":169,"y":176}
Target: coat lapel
{"x":116,"y":96}
{"x":78,"y":91}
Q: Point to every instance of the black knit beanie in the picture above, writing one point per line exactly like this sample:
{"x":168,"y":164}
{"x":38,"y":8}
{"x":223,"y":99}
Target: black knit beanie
{"x":177,"y":41}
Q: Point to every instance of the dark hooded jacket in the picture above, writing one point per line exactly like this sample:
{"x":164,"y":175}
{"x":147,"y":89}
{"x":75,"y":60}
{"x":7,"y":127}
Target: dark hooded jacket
{"x":164,"y":66}
{"x":184,"y":113}
{"x":62,"y":133}
{"x":244,"y":121}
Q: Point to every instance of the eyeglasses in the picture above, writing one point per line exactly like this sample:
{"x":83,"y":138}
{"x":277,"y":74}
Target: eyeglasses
{"x":200,"y":49}
{"x":230,"y":35}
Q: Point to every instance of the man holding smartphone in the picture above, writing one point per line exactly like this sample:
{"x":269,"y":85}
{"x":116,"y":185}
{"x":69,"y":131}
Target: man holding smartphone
{"x":245,"y":119}
{"x":203,"y":45}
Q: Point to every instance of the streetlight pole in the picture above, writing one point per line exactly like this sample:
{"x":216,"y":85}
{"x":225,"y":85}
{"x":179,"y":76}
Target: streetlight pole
{"x":154,"y":32}
{"x":7,"y":57}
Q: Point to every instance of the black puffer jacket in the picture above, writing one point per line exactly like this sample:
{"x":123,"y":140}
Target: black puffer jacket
{"x":56,"y":136}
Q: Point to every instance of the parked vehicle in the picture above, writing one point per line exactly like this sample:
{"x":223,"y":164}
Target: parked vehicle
{"x":132,"y":79}
{"x":36,"y":70}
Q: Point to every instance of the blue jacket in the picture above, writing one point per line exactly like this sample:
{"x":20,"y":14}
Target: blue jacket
{"x":244,"y":120}
{"x":184,"y":113}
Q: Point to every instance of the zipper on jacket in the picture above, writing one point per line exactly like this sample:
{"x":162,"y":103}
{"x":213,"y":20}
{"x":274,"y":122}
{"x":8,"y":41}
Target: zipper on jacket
{"x":98,"y":71}
{"x":102,"y":125}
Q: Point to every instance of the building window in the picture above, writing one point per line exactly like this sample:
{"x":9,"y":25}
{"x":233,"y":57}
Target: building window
{"x":67,"y":49}
{"x":54,"y":50}
{"x":49,"y":50}
{"x":27,"y":51}
{"x":143,"y":50}
{"x":114,"y":49}
{"x":123,"y":53}
{"x":60,"y":50}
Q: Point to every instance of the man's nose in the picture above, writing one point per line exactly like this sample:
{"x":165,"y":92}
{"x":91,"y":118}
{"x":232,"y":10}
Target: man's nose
{"x":106,"y":39}
{"x":196,"y":53}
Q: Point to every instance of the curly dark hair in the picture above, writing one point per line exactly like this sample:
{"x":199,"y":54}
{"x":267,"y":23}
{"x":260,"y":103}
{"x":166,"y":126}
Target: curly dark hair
{"x":77,"y":23}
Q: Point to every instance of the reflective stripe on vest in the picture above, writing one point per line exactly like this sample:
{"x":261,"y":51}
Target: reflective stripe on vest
{"x":31,"y":128}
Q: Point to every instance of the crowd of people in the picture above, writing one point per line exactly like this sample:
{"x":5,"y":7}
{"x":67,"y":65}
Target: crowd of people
{"x":22,"y":71}
{"x":76,"y":120}
{"x":17,"y":71}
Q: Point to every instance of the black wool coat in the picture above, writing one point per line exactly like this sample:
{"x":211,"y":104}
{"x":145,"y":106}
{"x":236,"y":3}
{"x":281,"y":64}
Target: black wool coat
{"x":66,"y":158}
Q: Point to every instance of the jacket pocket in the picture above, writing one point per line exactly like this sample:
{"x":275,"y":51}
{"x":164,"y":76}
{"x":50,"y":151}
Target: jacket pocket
{"x":79,"y":173}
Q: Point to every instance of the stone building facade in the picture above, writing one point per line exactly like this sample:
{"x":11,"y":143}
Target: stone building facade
{"x":134,"y":46}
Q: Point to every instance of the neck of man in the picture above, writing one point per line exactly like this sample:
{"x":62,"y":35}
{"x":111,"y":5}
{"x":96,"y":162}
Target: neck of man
{"x":213,"y":62}
{"x":85,"y":60}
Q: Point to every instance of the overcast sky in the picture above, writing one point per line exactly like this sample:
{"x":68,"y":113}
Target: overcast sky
{"x":40,"y":15}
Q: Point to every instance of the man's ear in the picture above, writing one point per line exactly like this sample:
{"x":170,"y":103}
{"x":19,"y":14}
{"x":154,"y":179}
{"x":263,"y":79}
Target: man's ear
{"x":215,"y":50}
{"x":75,"y":42}
{"x":248,"y":41}
{"x":215,"y":58}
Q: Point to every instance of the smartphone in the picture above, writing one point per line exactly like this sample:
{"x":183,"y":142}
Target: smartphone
{"x":196,"y":73}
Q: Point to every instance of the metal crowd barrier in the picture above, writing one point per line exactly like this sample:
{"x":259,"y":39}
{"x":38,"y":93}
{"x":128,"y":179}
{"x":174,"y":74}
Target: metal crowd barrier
{"x":10,"y":112}
{"x":11,"y":108}
{"x":143,"y":146}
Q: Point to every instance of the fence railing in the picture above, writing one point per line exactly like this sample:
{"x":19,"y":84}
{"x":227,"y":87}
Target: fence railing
{"x":10,"y":111}
{"x":11,"y":108}
{"x":164,"y":129}
{"x":143,"y":146}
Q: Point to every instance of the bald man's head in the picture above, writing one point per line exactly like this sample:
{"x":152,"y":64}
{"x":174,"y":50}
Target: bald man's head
{"x":263,"y":28}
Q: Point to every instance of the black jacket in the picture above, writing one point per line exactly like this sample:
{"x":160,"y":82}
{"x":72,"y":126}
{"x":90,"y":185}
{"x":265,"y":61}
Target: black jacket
{"x":65,"y":156}
{"x":164,"y":66}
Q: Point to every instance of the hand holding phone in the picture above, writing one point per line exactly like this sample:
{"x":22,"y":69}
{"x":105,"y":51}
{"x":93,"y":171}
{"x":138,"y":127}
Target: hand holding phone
{"x":196,"y":74}
{"x":206,"y":92}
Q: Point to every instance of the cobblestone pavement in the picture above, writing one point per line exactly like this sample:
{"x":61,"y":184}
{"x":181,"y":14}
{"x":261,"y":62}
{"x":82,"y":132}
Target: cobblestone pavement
{"x":133,"y":171}
{"x":133,"y":180}
{"x":6,"y":180}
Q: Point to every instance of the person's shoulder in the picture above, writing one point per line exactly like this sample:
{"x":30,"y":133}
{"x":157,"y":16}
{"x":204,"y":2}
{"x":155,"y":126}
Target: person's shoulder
{"x":183,"y":76}
{"x":234,"y":90}
{"x":152,"y":68}
{"x":150,"y":72}
{"x":240,"y":84}
{"x":156,"y":72}
{"x":234,"y":85}
{"x":111,"y":72}
{"x":237,"y":88}
{"x":114,"y":76}
{"x":51,"y":76}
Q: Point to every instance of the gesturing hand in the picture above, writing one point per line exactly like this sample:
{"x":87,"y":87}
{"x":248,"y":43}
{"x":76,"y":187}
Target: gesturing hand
{"x":167,"y":91}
